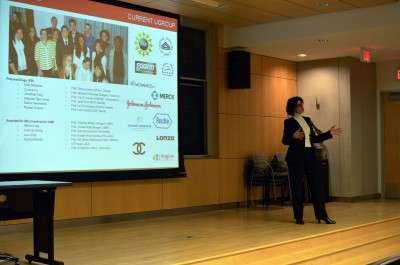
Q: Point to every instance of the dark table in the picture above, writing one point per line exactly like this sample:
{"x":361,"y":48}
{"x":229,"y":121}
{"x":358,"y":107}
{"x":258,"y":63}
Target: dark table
{"x":33,"y":199}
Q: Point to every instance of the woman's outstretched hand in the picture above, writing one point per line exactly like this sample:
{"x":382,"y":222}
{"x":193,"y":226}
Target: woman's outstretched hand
{"x":336,"y":131}
{"x":299,"y":135}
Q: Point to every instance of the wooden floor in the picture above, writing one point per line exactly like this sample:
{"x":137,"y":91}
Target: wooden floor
{"x":365,"y":232}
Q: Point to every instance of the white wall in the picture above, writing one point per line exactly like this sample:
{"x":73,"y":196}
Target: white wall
{"x":346,"y":90}
{"x":318,"y":80}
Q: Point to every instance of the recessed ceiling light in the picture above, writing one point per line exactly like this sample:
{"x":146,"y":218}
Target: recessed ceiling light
{"x":301,"y":55}
{"x":324,"y":4}
{"x":210,"y":3}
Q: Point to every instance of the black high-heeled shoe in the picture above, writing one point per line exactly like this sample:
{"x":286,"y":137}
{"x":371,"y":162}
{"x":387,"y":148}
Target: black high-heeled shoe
{"x":327,"y":221}
{"x":300,"y":222}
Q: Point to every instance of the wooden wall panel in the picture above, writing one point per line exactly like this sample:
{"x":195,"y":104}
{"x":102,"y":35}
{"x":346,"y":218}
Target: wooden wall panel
{"x":256,"y":64}
{"x":240,"y":101}
{"x":232,"y":180}
{"x":273,"y":94}
{"x":242,"y":136}
{"x":275,"y":67}
{"x":221,"y":59}
{"x":126,"y":197}
{"x":200,"y":187}
{"x":273,"y":81}
{"x":391,"y":112}
{"x":275,"y":131}
{"x":74,"y":201}
{"x":267,"y":97}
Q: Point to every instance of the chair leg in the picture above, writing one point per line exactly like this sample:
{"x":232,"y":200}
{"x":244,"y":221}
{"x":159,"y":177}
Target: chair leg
{"x":8,"y":258}
{"x":264,"y":195}
{"x":267,"y":194}
{"x":248,"y":196}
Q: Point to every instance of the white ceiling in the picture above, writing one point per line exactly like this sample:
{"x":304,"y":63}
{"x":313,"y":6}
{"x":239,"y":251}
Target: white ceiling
{"x":383,"y":43}
{"x":377,"y":28}
{"x":238,"y":13}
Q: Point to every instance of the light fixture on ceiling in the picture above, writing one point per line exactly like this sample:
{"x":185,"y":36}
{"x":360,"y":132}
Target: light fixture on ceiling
{"x":302,"y":55}
{"x":324,"y":4}
{"x":209,"y":3}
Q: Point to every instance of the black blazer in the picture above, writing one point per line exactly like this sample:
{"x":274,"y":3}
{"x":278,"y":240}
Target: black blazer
{"x":62,"y":50}
{"x":297,"y":147}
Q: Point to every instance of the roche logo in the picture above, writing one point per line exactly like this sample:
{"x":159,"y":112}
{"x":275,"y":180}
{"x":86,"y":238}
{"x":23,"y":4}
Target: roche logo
{"x":162,"y":121}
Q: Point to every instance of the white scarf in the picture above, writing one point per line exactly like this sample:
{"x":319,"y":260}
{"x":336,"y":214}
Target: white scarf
{"x":306,"y":128}
{"x":68,"y":72}
{"x":20,"y":49}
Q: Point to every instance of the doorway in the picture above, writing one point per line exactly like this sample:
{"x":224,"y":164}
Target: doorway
{"x":391,"y":144}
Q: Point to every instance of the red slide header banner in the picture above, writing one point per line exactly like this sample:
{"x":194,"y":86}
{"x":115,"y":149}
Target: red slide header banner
{"x":108,"y":11}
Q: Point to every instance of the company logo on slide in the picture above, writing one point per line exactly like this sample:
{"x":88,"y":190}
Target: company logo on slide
{"x":145,"y":68}
{"x":163,"y":157}
{"x":162,"y":121}
{"x":143,"y":44}
{"x":155,"y":96}
{"x":146,"y":105}
{"x":166,"y":46}
{"x":138,"y":148}
{"x":165,"y":138}
{"x":140,"y":125}
{"x":168,"y":69}
{"x":139,"y":84}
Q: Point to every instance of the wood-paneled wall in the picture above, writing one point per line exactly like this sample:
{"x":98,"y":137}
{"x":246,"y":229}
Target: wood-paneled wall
{"x":249,"y":121}
{"x":391,"y":156}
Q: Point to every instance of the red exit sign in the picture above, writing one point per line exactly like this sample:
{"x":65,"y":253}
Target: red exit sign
{"x":365,"y":56}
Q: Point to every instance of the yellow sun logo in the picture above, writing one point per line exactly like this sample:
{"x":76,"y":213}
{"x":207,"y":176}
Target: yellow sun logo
{"x":143,"y":44}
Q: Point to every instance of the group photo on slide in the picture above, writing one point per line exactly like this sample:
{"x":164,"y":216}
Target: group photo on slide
{"x":56,"y":46}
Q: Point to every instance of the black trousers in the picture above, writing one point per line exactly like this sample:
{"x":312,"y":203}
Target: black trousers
{"x":307,"y":166}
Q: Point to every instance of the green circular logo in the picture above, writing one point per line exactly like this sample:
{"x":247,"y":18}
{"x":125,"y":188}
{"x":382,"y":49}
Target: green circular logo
{"x":143,"y":44}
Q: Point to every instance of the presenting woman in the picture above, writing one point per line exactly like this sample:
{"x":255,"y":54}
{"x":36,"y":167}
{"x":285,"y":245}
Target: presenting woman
{"x":300,"y":135}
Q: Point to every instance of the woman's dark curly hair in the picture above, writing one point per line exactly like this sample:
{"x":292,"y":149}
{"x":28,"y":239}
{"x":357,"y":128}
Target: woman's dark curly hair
{"x":292,"y":103}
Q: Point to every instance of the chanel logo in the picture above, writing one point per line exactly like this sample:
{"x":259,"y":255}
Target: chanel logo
{"x":139,"y":148}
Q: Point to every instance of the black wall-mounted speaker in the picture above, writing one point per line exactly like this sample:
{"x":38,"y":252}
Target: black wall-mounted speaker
{"x":238,"y":70}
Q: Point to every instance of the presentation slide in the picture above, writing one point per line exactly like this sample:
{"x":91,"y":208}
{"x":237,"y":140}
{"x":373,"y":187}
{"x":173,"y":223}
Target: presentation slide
{"x":86,"y":86}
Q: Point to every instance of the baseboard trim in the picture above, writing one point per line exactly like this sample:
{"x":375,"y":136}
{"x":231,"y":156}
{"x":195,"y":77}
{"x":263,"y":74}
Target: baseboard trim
{"x":392,"y":190}
{"x":132,"y":216}
{"x":357,"y":198}
{"x":27,"y":226}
